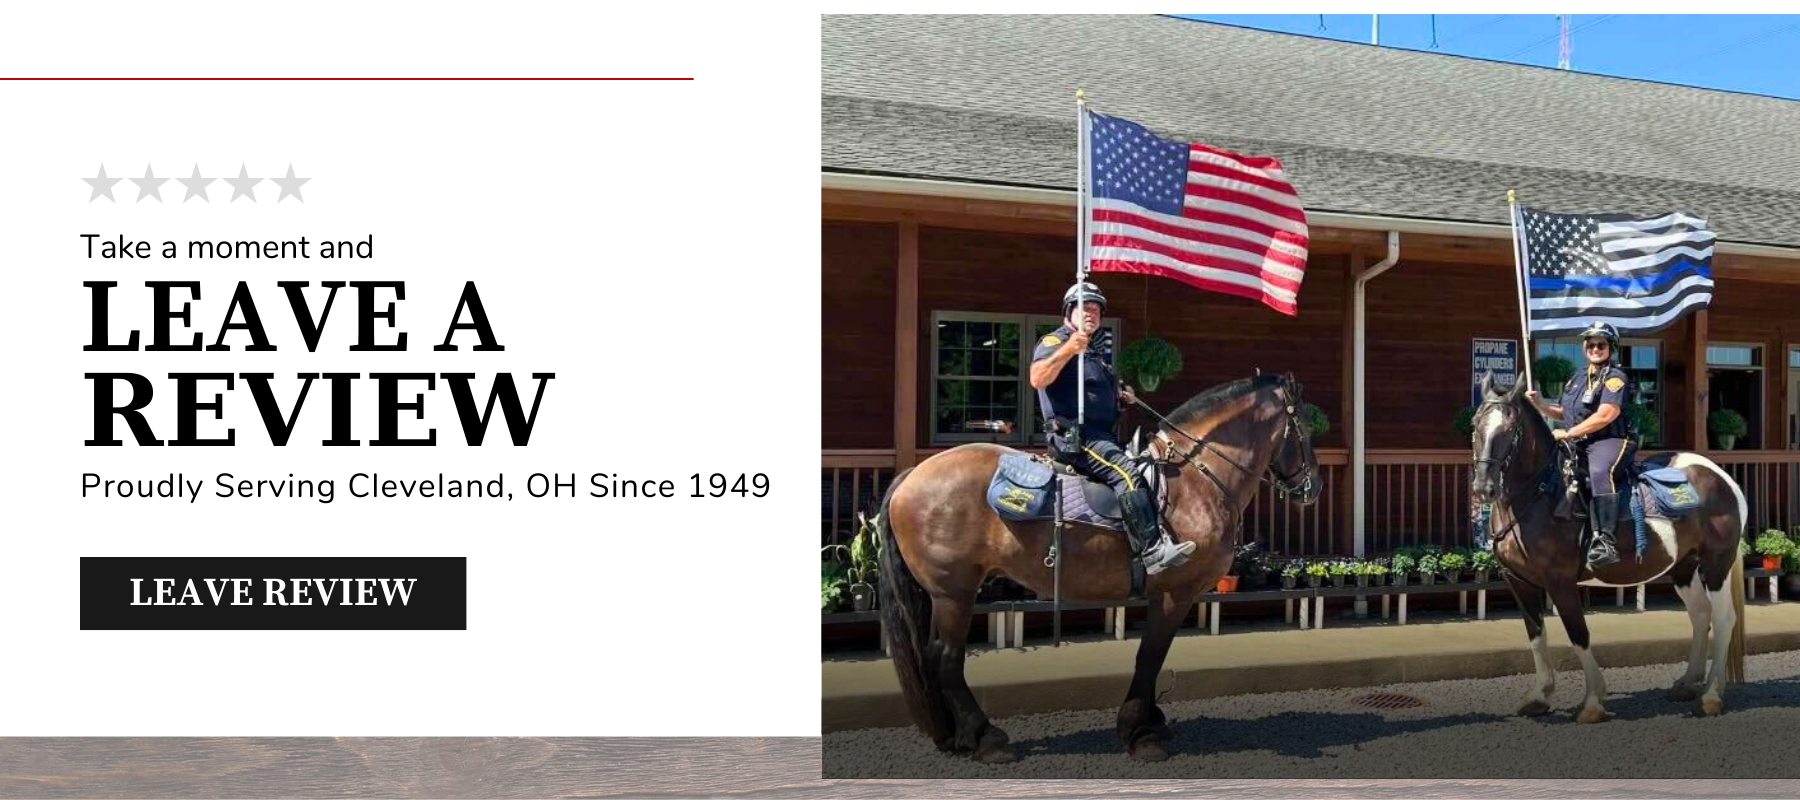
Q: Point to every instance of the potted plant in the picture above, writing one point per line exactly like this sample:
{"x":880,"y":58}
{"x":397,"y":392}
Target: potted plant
{"x":1227,"y":583}
{"x":1315,"y":419}
{"x":1453,"y":563}
{"x":1377,"y":574}
{"x":1465,"y":423}
{"x":1790,"y":573}
{"x":1641,"y":418}
{"x":1315,"y":574}
{"x":1290,"y":575}
{"x":1428,"y":568}
{"x":1551,"y":373}
{"x":831,"y":585}
{"x":1772,"y":544}
{"x":1485,"y":564}
{"x":1727,"y":425}
{"x":1401,"y":565}
{"x":1339,"y":571}
{"x":1249,"y":563}
{"x":1148,"y":362}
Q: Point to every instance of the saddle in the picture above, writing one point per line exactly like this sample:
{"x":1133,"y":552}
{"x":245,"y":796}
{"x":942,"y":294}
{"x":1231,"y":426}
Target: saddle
{"x":1029,"y":488}
{"x":1658,"y":491}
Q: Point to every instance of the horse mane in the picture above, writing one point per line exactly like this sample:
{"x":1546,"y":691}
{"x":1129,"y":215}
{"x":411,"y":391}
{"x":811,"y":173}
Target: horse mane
{"x":1203,"y":404}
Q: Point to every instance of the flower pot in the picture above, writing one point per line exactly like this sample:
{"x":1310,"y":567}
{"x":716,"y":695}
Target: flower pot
{"x":1338,"y":580}
{"x":1227,"y":584}
{"x":1362,"y":581}
{"x":1397,"y":578}
{"x":1426,"y":579}
{"x":862,"y":597}
{"x":1453,"y":576}
{"x":1289,"y":581}
{"x":1772,"y":563}
{"x":1727,"y":441}
{"x":1481,"y":576}
{"x":1312,"y":581}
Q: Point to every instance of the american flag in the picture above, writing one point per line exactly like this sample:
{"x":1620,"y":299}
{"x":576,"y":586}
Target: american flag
{"x":1638,"y":273}
{"x":1219,"y":220}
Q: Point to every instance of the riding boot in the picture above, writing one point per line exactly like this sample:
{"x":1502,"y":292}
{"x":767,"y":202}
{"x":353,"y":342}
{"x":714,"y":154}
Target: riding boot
{"x":1158,"y":550}
{"x":1604,"y":549}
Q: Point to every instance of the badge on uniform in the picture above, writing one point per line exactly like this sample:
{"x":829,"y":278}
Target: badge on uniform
{"x":1614,"y":384}
{"x":1050,"y":340}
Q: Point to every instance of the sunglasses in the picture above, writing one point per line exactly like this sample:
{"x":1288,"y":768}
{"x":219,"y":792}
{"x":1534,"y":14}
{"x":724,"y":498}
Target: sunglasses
{"x":1597,"y":346}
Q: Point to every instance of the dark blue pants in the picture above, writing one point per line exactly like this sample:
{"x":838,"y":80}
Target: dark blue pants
{"x":1607,"y":461}
{"x":1103,"y":460}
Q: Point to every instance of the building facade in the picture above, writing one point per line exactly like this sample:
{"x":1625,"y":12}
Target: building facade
{"x":948,"y":222}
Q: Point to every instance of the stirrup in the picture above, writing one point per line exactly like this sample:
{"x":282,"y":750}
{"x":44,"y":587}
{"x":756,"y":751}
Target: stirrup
{"x":1602,"y":552}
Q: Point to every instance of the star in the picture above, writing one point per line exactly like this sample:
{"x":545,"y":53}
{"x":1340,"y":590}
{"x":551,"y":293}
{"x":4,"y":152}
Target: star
{"x":196,"y":186}
{"x":102,"y":185}
{"x":241,"y":185}
{"x":149,"y":185}
{"x":290,"y":185}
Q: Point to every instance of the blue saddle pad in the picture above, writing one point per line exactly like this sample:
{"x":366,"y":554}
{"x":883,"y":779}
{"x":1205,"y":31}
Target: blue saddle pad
{"x":1024,"y":489}
{"x":1668,"y":493}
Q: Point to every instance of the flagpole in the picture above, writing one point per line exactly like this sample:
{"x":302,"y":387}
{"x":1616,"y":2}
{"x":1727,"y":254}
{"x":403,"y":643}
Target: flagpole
{"x":1081,"y":246}
{"x":1512,"y":205}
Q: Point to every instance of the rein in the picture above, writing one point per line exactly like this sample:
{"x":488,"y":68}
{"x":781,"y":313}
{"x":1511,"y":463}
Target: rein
{"x":1286,"y":485}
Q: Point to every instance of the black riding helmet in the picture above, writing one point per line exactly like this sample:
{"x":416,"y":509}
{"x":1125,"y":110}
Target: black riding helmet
{"x":1602,"y":330}
{"x":1082,"y":292}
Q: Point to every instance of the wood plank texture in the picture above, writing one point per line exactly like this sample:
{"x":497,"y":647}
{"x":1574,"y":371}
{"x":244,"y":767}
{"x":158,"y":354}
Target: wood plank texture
{"x":637,"y":767}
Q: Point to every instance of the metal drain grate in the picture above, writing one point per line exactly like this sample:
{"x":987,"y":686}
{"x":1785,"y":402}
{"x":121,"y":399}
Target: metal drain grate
{"x":1387,"y":700}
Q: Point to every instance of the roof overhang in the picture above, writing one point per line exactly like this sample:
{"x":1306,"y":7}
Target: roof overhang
{"x":1331,"y":219}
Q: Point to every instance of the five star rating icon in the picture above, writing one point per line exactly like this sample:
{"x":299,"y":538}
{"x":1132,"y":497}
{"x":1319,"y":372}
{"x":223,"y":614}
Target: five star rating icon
{"x":151,"y":186}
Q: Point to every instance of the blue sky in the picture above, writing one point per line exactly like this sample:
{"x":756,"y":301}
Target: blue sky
{"x":1755,"y":53}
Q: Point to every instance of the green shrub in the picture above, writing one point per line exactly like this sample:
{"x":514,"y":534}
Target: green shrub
{"x":1453,"y":560}
{"x":1484,"y":560}
{"x":1428,"y":564}
{"x":1315,"y":419}
{"x":1773,"y":543}
{"x":1465,"y":422}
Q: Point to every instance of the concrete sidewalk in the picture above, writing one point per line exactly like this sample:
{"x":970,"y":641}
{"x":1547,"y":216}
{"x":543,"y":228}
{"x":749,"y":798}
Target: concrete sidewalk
{"x":1086,"y":675}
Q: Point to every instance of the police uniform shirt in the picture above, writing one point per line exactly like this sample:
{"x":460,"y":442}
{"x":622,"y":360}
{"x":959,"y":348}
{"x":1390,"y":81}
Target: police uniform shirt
{"x":1602,"y":386}
{"x":1058,"y":399}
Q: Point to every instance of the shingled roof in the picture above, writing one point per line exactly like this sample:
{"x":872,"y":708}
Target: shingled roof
{"x":1361,"y":129}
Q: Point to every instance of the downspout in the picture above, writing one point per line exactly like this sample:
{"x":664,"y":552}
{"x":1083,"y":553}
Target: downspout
{"x":1358,"y":426}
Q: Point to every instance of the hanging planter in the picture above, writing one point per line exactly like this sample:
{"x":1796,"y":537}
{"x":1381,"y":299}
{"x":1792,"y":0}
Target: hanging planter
{"x":1148,"y":362}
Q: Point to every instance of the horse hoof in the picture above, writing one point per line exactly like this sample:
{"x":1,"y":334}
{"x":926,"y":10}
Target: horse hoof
{"x":1149,"y":748}
{"x":995,"y":748}
{"x":1534,"y":708}
{"x":1681,"y":693}
{"x":1712,"y":706}
{"x":1591,"y":714}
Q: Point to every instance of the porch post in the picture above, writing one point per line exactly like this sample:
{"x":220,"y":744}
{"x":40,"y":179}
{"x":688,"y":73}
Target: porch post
{"x":1347,"y":412}
{"x":906,"y":349}
{"x":1697,"y":379}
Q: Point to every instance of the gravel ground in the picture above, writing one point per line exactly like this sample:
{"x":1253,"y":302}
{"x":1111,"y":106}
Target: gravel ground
{"x":1466,"y":729}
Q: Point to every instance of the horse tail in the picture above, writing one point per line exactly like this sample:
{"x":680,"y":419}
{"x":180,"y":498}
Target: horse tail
{"x":1734,"y":657}
{"x":906,"y":622}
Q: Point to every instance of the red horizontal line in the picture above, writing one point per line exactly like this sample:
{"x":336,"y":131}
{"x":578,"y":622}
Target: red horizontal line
{"x":346,"y":79}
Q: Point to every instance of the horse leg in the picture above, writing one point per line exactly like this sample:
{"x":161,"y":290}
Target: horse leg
{"x":973,"y":732}
{"x":1686,"y":577}
{"x":1724,"y":591}
{"x":1142,"y":726}
{"x":1531,"y":607}
{"x":1567,"y":598}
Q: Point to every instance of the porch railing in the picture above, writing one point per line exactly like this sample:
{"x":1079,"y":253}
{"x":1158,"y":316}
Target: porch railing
{"x":1414,"y":497}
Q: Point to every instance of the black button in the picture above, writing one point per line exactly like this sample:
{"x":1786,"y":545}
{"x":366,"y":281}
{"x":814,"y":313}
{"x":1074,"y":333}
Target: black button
{"x":258,"y":593}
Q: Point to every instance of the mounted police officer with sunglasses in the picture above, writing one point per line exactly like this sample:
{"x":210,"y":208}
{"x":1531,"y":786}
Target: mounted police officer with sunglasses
{"x":1593,"y":413}
{"x":1094,"y":450}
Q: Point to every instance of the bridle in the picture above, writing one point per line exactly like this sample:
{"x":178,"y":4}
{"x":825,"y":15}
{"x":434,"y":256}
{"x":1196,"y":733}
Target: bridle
{"x":1503,"y":465}
{"x":1286,"y":485}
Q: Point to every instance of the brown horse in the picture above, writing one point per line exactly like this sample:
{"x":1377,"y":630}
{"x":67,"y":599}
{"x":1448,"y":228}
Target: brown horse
{"x":1515,"y":459}
{"x":941,"y":540}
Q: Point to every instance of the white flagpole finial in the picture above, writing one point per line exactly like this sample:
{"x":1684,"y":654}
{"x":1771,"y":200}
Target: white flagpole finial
{"x":1080,"y":95}
{"x":1511,"y":196}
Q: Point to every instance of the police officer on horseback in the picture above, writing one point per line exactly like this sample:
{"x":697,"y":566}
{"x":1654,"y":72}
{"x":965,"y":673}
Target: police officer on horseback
{"x":1593,"y":413}
{"x":1092,"y":447}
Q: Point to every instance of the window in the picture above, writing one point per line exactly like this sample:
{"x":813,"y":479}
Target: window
{"x":981,"y":375}
{"x":1734,"y":377}
{"x":1642,"y":361}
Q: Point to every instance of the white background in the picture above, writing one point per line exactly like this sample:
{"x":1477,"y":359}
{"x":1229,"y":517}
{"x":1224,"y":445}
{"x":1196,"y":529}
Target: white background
{"x":653,"y":244}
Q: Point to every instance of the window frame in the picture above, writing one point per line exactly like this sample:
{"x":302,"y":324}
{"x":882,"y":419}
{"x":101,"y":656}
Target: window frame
{"x":1762,"y":386}
{"x":1026,"y":432}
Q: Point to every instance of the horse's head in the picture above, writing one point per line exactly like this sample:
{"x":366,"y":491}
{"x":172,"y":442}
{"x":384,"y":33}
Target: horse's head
{"x":1499,"y":435}
{"x":1295,"y":466}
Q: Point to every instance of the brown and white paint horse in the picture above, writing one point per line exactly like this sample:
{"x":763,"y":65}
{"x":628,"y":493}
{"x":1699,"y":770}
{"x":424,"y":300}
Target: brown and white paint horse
{"x":941,"y":540}
{"x":1542,"y":555}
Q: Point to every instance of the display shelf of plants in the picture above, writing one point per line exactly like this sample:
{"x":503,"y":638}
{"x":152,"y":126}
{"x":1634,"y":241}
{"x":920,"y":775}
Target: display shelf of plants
{"x":848,"y":573}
